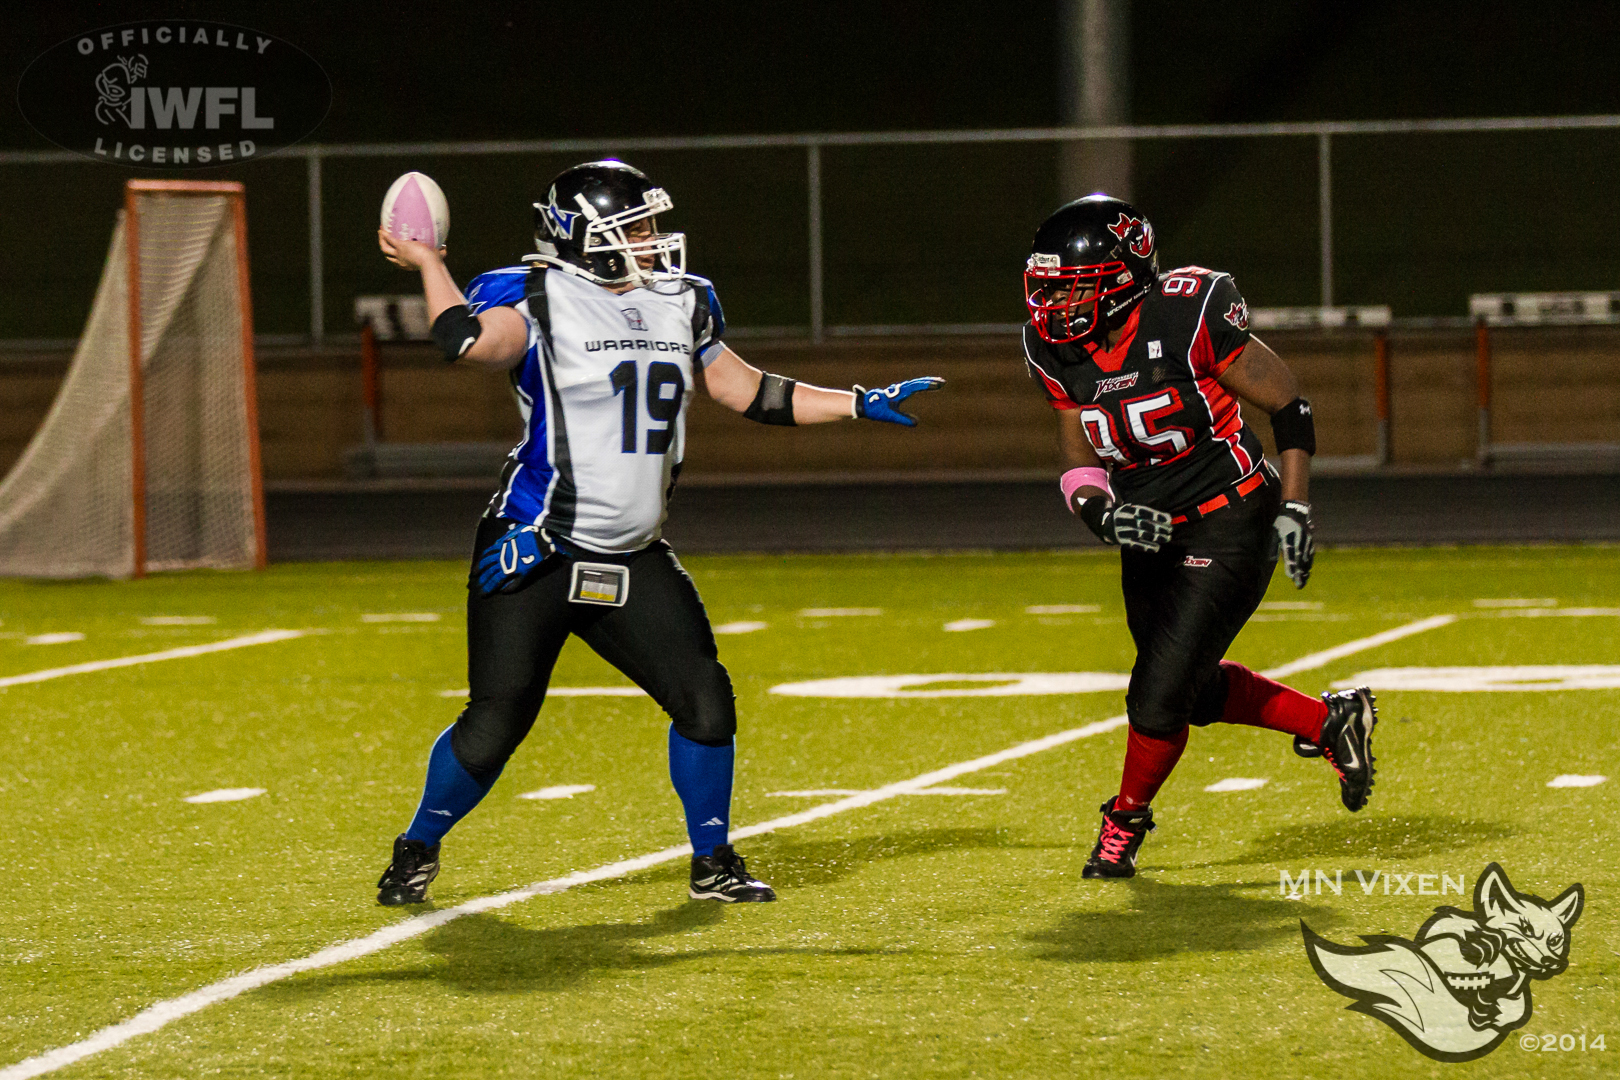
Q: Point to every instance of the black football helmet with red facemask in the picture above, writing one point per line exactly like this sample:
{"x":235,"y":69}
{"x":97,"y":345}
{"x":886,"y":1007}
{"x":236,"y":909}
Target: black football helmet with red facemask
{"x":1091,"y":263}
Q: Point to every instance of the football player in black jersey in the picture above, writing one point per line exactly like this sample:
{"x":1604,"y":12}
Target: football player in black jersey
{"x":1144,"y":370}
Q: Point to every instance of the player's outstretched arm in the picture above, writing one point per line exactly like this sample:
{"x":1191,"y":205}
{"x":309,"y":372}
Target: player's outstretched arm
{"x":774,"y":399}
{"x":496,"y":337}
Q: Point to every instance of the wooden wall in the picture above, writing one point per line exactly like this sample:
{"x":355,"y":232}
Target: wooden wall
{"x":1550,"y":385}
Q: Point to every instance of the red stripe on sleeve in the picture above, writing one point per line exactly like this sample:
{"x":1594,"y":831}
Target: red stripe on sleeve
{"x":1222,"y":365}
{"x":1202,"y":355}
{"x":1225,"y":418}
{"x":1054,"y":389}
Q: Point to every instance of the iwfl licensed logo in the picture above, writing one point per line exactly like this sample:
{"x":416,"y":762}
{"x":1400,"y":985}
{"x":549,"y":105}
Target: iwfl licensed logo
{"x":1458,"y":990}
{"x":174,"y":94}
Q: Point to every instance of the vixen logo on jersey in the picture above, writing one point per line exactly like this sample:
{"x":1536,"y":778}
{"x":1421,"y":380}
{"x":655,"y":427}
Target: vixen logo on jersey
{"x":1196,"y":563}
{"x":1115,"y":384}
{"x":1142,"y":242}
{"x":1456,"y":992}
{"x":1238,"y":314}
{"x":632,"y":316}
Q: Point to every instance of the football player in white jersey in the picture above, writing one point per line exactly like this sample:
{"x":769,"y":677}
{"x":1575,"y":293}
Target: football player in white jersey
{"x":605,"y":337}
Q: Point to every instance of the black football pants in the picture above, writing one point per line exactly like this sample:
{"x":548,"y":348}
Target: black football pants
{"x":1186,"y":602}
{"x":660,"y":638}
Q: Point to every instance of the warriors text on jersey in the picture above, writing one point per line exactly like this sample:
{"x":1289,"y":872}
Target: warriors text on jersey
{"x":603,"y":389}
{"x":1170,"y":434}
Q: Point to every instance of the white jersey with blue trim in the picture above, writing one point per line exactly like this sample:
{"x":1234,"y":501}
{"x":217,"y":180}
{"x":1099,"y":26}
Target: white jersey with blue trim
{"x":603,"y":388}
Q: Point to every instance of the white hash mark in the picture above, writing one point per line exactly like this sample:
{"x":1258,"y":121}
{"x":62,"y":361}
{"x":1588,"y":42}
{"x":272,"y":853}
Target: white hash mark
{"x":61,"y":637}
{"x":1237,"y":783}
{"x":227,"y":794}
{"x":1576,"y":780}
{"x":560,"y":791}
{"x":960,"y":625}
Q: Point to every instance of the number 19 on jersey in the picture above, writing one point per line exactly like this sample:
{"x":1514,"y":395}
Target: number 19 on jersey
{"x":666,"y":390}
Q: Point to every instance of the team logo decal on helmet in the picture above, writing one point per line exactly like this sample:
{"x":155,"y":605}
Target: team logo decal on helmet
{"x":560,"y":221}
{"x":1142,"y":242}
{"x":1091,"y":263}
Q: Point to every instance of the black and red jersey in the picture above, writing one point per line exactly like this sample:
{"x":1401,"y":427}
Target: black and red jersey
{"x":1169,"y":433}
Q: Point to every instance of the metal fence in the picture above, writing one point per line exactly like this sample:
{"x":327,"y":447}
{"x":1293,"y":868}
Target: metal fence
{"x":1326,"y":138}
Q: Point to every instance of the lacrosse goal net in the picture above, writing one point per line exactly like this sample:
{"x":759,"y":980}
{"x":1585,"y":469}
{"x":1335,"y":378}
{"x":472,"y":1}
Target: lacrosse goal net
{"x":149,"y":457}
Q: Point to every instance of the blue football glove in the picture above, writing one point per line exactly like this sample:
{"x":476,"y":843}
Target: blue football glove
{"x":514,"y":560}
{"x":880,"y":404}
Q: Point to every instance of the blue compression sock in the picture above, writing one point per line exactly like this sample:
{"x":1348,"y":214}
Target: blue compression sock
{"x":449,"y":794}
{"x":702,"y":778}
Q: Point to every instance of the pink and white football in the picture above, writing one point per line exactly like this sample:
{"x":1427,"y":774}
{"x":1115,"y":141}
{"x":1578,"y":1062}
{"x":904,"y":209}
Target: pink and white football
{"x":415,"y":209}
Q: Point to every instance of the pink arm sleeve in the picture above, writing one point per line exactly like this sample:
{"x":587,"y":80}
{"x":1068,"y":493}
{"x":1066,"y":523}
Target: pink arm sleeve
{"x":1075,"y":479}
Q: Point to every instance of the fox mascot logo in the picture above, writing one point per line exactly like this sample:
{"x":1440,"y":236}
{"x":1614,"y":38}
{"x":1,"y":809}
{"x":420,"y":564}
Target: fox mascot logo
{"x":1457,"y":991}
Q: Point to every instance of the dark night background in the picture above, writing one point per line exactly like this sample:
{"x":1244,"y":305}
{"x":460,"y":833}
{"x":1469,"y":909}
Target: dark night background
{"x":913,"y":235}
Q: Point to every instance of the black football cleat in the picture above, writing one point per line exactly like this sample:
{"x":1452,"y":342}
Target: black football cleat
{"x":407,"y":877}
{"x":1346,"y":743}
{"x":722,"y":876}
{"x":1122,"y":834}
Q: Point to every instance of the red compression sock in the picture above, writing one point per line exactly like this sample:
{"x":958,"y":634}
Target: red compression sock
{"x":1252,"y":698}
{"x":1148,"y":762}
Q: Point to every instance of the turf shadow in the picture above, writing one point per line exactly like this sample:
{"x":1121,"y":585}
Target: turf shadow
{"x":1350,"y":841}
{"x":1167,"y":920}
{"x":789,"y":863}
{"x":486,"y":954}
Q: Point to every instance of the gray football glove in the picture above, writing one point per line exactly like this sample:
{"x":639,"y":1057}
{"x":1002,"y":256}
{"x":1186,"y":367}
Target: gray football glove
{"x":1294,"y":543}
{"x":1129,"y":525}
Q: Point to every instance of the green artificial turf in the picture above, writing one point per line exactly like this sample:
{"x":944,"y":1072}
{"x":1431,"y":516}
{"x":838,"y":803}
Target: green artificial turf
{"x":921,"y":936}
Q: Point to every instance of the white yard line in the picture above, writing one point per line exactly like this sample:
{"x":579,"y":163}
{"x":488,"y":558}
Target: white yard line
{"x":163,"y":1013}
{"x":263,"y":637}
{"x":1349,"y":648}
{"x":1566,"y":613}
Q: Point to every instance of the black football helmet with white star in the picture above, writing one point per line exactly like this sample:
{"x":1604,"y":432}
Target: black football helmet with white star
{"x":1091,"y":263}
{"x":583,"y":226}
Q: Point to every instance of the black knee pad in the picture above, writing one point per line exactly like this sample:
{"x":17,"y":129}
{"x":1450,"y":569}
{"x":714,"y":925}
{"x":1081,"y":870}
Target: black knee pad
{"x":486,"y":733}
{"x":1211,"y":700}
{"x":1153,"y":718}
{"x":707,"y":711}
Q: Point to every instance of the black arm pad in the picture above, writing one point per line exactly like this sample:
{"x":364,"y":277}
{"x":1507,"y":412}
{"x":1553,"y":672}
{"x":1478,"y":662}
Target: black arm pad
{"x":773,"y":404}
{"x":455,"y":330}
{"x":1293,"y":427}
